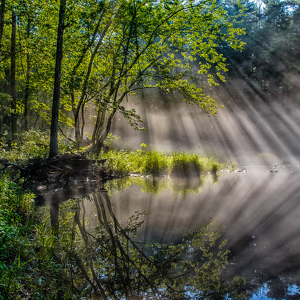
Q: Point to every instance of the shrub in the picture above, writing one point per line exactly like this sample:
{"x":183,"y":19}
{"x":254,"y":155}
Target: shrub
{"x":158,"y":163}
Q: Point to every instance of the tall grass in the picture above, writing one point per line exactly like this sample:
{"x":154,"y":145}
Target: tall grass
{"x":158,"y":163}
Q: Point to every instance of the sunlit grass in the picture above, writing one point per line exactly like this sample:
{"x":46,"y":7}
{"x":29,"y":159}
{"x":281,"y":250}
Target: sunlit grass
{"x":159,"y":163}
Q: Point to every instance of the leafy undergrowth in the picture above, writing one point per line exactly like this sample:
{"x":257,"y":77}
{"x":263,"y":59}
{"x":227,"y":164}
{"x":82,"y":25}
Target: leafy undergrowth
{"x":29,"y":268}
{"x":30,"y":144}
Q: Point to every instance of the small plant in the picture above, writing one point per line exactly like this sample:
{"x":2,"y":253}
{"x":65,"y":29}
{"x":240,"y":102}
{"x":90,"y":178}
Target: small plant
{"x":28,"y":265}
{"x":110,"y":140}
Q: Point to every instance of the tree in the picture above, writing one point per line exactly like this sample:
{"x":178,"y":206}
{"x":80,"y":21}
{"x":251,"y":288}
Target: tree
{"x":135,"y":45}
{"x":13,"y":76}
{"x":2,"y":14}
{"x":112,"y":49}
{"x":33,"y":66}
{"x":56,"y":91}
{"x":269,"y":63}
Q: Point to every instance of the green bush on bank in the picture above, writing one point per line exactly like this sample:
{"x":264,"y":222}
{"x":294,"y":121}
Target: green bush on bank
{"x":185,"y":164}
{"x":35,"y":144}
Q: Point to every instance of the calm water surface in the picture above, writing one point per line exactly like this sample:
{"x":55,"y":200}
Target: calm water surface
{"x":256,"y":211}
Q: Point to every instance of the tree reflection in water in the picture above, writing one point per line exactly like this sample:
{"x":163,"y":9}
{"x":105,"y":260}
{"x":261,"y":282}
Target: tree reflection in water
{"x":106,"y":259}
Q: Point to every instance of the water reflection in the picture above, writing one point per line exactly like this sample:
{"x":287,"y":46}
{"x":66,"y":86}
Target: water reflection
{"x":113,"y":254}
{"x":106,"y":258}
{"x":260,"y":211}
{"x":180,"y":186}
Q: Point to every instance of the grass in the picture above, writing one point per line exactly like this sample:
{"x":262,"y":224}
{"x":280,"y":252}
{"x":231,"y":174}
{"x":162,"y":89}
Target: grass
{"x":159,"y":163}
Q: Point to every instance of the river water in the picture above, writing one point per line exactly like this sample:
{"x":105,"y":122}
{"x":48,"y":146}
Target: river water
{"x":255,"y":210}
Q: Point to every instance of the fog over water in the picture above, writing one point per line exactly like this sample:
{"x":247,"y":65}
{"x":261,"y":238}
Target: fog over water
{"x":259,"y":207}
{"x":256,"y":207}
{"x":257,"y":212}
{"x":247,"y":129}
{"x":260,"y":211}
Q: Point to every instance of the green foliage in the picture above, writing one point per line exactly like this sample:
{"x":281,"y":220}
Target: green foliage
{"x":111,"y":50}
{"x":28,"y":266}
{"x":157,"y":171}
{"x":5,"y":107}
{"x":110,"y":140}
{"x":14,"y":206}
{"x":185,"y":165}
{"x":158,"y":163}
{"x":121,"y":162}
{"x":30,"y":144}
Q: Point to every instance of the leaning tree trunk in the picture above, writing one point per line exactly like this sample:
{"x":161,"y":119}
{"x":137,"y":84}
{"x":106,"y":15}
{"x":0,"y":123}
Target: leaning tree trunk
{"x":56,"y":92}
{"x":13,"y":77}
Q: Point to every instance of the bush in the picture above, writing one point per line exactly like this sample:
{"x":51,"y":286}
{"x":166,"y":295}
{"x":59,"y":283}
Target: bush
{"x":156,"y":163}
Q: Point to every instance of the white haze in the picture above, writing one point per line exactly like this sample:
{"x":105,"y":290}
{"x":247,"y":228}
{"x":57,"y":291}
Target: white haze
{"x":246,"y":130}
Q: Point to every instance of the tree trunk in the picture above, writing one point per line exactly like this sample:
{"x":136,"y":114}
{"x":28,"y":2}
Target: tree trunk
{"x":27,"y":93}
{"x":80,"y":105}
{"x":99,"y":124}
{"x":98,"y":145}
{"x":27,"y":84}
{"x":56,"y":92}
{"x":13,"y":77}
{"x":2,"y":13}
{"x":78,"y":136}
